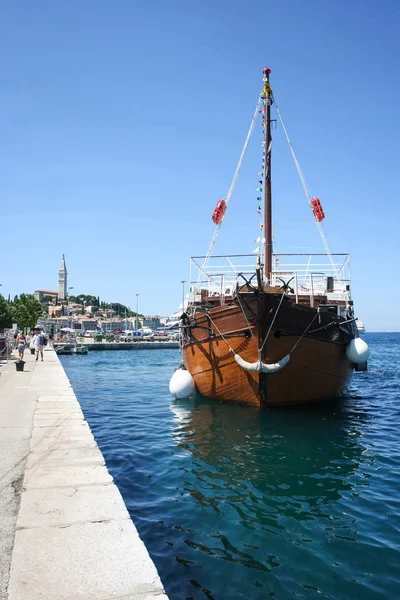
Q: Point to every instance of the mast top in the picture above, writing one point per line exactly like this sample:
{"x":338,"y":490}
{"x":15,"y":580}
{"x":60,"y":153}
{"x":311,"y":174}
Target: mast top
{"x":266,"y":71}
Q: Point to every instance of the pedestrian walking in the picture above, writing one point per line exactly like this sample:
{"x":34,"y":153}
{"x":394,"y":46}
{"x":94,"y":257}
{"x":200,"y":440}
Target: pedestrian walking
{"x":33,"y":340}
{"x":21,"y":343}
{"x":40,"y":343}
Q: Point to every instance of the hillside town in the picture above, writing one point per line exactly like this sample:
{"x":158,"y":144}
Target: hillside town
{"x":87,"y":314}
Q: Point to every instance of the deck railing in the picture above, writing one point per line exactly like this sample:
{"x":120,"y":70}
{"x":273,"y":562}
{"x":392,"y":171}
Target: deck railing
{"x":309,"y":275}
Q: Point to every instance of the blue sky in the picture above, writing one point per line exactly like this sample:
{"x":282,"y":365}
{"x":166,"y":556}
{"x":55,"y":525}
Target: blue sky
{"x":122,"y":122}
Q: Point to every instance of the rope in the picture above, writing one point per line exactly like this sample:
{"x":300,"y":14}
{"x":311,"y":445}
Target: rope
{"x":335,"y":324}
{"x":229,"y":194}
{"x":248,"y":324}
{"x":272,"y":322}
{"x":306,"y":190}
{"x":269,"y":330}
{"x":305,"y":331}
{"x":222,"y":336}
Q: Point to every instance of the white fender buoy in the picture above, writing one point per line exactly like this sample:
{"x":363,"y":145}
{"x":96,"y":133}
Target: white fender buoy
{"x":357,"y":351}
{"x":260,"y":367}
{"x":182,"y":384}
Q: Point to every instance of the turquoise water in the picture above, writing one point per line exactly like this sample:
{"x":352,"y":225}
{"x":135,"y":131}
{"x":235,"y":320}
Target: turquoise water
{"x":233,"y":502}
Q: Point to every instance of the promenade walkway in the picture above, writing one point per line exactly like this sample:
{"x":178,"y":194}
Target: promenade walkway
{"x":65,"y":533}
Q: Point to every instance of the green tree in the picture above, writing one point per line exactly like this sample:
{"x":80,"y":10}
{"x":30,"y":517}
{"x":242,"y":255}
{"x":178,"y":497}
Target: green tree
{"x":26,"y":311}
{"x":5,"y":314}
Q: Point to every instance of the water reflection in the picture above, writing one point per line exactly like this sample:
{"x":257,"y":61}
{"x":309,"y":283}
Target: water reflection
{"x":267,"y":481}
{"x":303,"y":458}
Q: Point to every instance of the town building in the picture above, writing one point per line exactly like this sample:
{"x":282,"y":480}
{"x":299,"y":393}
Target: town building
{"x":55,"y":311}
{"x":88,"y":324}
{"x":111,"y":324}
{"x":151,"y":322}
{"x":131,"y":323}
{"x":75,"y":309}
{"x":39,"y":294}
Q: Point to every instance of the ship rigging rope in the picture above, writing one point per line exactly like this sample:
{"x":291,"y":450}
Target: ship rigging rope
{"x":247,"y":321}
{"x":269,"y":330}
{"x":305,"y":331}
{"x":202,"y":272}
{"x":272,"y":323}
{"x":306,"y":189}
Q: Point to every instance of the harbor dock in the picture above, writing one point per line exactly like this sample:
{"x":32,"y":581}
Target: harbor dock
{"x":131,"y":345}
{"x":65,"y":532}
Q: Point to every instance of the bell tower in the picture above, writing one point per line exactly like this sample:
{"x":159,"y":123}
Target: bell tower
{"x":62,"y":280}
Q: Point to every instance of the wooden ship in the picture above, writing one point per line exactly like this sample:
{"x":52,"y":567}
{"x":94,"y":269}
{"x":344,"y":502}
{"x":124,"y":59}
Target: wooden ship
{"x":269,"y":329}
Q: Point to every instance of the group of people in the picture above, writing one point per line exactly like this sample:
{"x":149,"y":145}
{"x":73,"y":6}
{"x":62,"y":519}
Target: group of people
{"x":37,"y":340}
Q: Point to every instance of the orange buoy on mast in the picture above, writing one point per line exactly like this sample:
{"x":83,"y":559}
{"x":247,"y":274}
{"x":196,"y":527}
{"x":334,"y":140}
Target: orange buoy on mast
{"x":219,"y":212}
{"x":317,"y":209}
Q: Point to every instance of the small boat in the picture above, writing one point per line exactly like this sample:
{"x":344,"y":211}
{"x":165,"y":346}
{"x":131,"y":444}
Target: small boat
{"x":64,"y":348}
{"x":81,"y":349}
{"x":360,"y":326}
{"x":269,"y":329}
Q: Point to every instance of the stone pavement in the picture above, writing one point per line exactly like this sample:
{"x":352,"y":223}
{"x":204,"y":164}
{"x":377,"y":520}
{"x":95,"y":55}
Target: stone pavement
{"x":65,"y":533}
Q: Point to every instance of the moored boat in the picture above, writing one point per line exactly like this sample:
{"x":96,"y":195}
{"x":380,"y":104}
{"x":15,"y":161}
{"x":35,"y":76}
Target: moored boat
{"x":64,"y":348}
{"x":80,"y":349}
{"x":360,"y":326}
{"x":270,"y":329}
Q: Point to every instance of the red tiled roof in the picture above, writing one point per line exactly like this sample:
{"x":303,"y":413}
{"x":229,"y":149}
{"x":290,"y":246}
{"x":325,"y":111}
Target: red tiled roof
{"x":47,"y":292}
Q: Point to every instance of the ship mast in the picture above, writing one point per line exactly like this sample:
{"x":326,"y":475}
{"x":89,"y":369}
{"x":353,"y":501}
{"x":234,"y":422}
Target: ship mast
{"x":266,"y":96}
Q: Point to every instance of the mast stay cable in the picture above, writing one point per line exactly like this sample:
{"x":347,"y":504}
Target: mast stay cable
{"x":306,"y":190}
{"x":227,"y":198}
{"x":202,"y":271}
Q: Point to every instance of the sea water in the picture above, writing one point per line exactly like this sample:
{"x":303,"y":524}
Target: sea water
{"x":236,"y":502}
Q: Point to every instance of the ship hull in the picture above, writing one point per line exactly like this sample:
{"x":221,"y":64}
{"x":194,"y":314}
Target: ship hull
{"x":318,"y":369}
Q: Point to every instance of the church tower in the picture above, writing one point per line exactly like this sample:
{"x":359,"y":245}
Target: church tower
{"x":62,"y":280}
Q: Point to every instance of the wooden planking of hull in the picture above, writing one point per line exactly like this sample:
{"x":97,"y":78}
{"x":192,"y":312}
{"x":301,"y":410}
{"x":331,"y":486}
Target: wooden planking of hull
{"x":318,"y":369}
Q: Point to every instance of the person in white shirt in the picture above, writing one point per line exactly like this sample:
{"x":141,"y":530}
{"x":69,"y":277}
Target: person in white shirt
{"x":33,"y":341}
{"x":40,"y":343}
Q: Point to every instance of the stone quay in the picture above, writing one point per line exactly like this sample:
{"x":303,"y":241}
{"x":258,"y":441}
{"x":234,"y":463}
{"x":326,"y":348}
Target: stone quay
{"x":65,"y":532}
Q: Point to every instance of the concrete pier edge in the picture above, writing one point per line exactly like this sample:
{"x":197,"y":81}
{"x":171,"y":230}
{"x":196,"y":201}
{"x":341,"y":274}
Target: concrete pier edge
{"x":66,"y":533}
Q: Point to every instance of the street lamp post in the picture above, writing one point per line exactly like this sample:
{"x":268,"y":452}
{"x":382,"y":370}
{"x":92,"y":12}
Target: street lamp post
{"x":69,"y":321}
{"x":183,"y":295}
{"x":137,"y":312}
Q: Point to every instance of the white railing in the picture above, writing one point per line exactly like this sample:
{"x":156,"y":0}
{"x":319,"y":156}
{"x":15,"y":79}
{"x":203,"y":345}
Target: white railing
{"x":309,"y":275}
